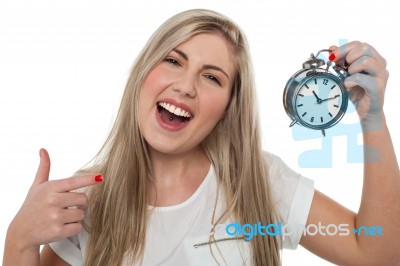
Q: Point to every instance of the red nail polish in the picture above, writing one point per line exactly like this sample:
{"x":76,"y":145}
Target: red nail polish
{"x":98,"y":178}
{"x":332,"y":57}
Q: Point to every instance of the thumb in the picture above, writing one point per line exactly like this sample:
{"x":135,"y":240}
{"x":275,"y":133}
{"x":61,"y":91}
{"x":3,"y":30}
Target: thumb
{"x":42,"y":174}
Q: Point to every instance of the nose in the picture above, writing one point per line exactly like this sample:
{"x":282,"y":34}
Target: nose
{"x":185,"y":85}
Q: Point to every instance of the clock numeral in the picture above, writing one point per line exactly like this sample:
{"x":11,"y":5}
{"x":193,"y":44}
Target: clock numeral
{"x":322,"y":119}
{"x":306,"y":86}
{"x":315,"y":80}
{"x":330,"y":114}
{"x":299,"y":105}
{"x":301,"y":95}
{"x":336,"y":105}
{"x":325,"y":82}
{"x":312,"y":119}
{"x":304,"y":114}
{"x":333,"y":87}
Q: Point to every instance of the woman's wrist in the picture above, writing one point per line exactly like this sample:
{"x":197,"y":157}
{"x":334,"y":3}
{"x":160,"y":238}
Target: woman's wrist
{"x":16,"y":252}
{"x":373,"y":122}
{"x":17,"y":241}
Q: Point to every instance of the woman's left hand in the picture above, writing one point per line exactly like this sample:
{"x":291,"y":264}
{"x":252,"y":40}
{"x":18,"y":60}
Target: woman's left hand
{"x":367,"y":81}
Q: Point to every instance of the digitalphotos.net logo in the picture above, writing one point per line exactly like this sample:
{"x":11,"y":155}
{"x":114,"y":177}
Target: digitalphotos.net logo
{"x":283,"y":230}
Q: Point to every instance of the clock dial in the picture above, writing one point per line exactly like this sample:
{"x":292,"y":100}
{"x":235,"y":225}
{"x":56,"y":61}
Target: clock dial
{"x":319,"y":101}
{"x":315,"y":96}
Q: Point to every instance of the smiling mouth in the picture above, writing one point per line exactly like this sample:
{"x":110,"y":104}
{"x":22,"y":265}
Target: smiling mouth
{"x":172,"y":114}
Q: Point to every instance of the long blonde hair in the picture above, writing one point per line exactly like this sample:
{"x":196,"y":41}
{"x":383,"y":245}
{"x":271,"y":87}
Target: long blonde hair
{"x":118,"y":212}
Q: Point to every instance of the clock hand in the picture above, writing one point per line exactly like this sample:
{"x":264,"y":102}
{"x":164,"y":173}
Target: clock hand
{"x":329,"y":98}
{"x":316,"y":96}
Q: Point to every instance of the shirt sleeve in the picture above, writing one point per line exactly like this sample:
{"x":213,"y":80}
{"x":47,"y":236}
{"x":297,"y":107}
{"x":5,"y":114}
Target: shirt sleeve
{"x":292,"y":194}
{"x":69,"y":250}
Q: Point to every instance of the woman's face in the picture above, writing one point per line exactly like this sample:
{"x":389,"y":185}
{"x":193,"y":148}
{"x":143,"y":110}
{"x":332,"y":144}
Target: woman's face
{"x":186,"y":94}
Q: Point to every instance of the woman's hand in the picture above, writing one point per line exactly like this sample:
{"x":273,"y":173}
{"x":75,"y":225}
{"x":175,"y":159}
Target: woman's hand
{"x":50,"y":211}
{"x":367,"y":81}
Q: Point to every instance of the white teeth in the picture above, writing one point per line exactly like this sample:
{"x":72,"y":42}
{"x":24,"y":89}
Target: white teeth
{"x":175,"y":110}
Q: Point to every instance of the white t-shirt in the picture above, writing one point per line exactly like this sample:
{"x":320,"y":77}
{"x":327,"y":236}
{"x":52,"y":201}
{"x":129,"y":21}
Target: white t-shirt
{"x":179,"y":235}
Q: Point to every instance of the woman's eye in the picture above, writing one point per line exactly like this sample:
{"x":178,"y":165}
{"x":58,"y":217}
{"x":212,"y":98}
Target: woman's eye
{"x":172,"y":61}
{"x":214,"y":79}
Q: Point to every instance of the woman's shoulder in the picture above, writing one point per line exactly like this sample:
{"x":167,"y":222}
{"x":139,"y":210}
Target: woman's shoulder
{"x":280,"y":175}
{"x":274,"y":162}
{"x":269,"y":157}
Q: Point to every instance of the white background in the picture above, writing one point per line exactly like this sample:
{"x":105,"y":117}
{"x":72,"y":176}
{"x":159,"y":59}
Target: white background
{"x":64,"y":64}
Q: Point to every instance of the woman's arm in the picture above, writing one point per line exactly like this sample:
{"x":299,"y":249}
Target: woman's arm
{"x":380,"y":202}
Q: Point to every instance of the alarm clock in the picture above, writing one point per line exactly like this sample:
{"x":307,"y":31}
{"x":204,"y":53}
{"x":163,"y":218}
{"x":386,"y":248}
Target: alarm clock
{"x":315,"y":96}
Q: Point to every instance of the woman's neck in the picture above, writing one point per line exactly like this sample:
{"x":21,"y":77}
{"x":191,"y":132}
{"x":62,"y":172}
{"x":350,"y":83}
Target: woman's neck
{"x":177,"y":176}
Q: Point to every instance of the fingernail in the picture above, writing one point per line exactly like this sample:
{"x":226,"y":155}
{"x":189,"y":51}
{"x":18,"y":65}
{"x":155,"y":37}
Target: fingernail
{"x":98,"y":178}
{"x":332,"y":57}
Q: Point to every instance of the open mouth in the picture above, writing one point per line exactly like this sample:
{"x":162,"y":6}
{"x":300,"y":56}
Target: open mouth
{"x":173,"y":115}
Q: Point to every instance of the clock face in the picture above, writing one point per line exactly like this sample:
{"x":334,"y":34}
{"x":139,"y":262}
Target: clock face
{"x":320,"y":102}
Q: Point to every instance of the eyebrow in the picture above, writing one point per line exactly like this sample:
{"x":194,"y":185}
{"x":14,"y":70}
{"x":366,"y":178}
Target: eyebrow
{"x":181,"y":53}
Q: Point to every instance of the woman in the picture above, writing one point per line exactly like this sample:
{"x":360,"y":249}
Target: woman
{"x":184,"y":161}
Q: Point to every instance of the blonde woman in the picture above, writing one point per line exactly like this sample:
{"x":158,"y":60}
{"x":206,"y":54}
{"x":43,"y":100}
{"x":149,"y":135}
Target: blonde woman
{"x":182,"y":180}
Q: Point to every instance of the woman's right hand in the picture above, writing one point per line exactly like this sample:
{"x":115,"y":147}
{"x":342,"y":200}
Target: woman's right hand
{"x":51,"y":211}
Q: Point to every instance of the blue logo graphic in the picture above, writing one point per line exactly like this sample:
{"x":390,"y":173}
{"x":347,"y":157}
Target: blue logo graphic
{"x":368,"y":231}
{"x":284,"y":230}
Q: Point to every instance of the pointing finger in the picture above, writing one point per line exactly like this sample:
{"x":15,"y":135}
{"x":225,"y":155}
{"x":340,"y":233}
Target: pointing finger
{"x":76,"y":182}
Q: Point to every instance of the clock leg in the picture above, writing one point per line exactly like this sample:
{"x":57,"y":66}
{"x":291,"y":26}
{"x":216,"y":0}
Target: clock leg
{"x":293,"y":122}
